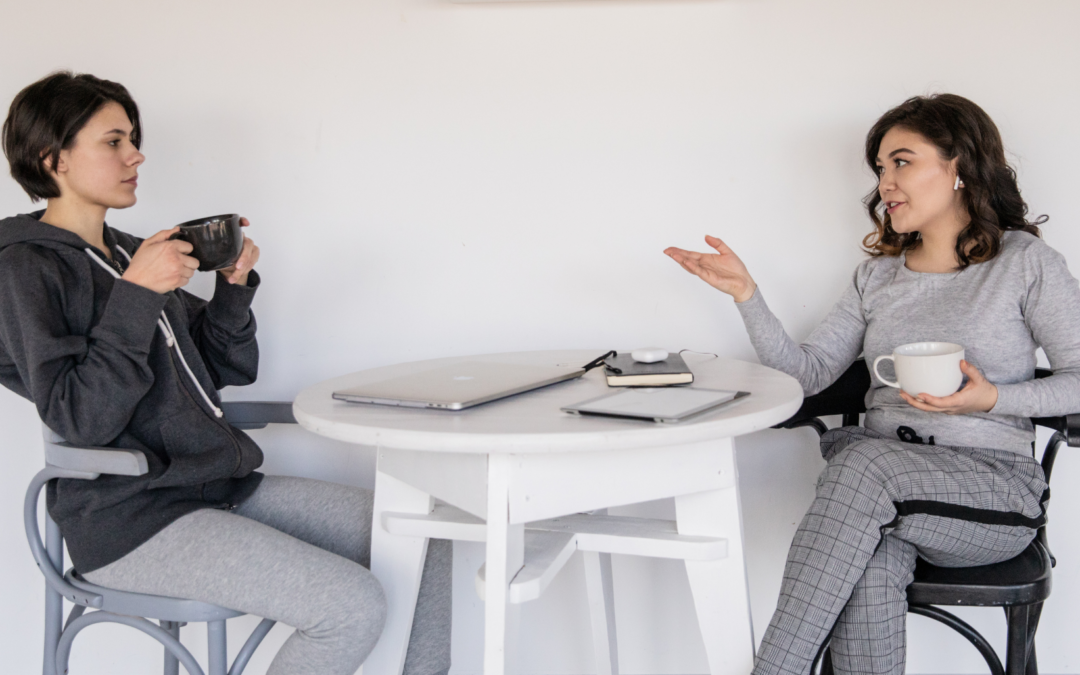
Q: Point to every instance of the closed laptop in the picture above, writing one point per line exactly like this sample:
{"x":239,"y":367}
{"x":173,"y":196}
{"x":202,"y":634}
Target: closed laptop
{"x":458,"y":386}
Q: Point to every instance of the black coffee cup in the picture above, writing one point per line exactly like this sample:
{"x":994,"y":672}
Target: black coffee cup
{"x":216,"y":241}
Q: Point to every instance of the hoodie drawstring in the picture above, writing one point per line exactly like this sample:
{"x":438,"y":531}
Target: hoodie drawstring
{"x":166,"y":329}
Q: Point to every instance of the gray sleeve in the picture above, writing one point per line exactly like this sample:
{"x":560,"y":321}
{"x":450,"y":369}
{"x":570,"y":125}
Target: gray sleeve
{"x":825,"y":355}
{"x":1052,"y":314}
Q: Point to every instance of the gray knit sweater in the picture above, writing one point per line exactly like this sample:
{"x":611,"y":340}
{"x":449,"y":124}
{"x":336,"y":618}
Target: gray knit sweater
{"x":1001,"y":311}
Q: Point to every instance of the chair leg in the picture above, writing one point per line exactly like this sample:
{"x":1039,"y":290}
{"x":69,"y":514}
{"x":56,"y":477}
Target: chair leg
{"x":54,"y":621}
{"x":250,"y":646}
{"x":75,"y":613}
{"x":970,"y":634}
{"x":1017,"y":640}
{"x":217,"y":652}
{"x":54,"y":602}
{"x":172,"y":664}
{"x":817,"y":667}
{"x":826,"y":662}
{"x":1033,"y":625}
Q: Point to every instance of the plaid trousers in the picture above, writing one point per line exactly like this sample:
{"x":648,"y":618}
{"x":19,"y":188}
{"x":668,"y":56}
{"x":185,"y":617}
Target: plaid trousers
{"x":880,"y":503}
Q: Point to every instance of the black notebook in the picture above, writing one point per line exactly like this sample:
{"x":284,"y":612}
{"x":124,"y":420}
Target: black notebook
{"x":623,"y":371}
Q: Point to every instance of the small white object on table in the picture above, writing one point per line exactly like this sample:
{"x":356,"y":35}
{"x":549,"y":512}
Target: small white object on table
{"x":514,"y":471}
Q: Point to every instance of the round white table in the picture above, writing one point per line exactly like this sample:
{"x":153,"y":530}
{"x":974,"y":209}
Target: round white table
{"x":519,"y":474}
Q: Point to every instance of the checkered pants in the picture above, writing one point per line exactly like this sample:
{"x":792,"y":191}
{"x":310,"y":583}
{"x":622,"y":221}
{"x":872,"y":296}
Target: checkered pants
{"x":854,"y":553}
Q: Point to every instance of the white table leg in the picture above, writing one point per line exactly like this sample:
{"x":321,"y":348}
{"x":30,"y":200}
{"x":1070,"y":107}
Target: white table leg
{"x":719,"y":587}
{"x":398,"y":563}
{"x":600,"y":588}
{"x":505,"y":556}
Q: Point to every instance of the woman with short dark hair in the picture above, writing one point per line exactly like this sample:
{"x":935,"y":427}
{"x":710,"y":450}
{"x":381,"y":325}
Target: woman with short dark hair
{"x":950,"y":479}
{"x":96,"y":331}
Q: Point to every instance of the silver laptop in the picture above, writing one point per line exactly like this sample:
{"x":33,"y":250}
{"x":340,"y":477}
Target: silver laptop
{"x":459,"y":386}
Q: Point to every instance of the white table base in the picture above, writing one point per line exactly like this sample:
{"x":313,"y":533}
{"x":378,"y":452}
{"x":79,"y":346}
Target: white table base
{"x":509,"y":491}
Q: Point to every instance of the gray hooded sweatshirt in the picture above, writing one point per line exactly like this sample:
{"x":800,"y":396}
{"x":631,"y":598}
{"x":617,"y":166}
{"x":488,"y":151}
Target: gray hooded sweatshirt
{"x":91,"y":352}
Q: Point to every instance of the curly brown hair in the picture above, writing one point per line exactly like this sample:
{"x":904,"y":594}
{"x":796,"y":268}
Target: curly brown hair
{"x":961,"y":130}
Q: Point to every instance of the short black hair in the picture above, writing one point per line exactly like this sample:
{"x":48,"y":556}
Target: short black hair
{"x":44,"y":119}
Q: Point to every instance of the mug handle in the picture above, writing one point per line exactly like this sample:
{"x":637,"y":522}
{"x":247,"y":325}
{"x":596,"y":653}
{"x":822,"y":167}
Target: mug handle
{"x":879,"y":360}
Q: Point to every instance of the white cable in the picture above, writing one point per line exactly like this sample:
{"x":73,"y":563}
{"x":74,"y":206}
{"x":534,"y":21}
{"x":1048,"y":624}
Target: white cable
{"x":176,"y":346}
{"x":101,"y":262}
{"x":169,"y":340}
{"x":167,"y":331}
{"x":170,"y":337}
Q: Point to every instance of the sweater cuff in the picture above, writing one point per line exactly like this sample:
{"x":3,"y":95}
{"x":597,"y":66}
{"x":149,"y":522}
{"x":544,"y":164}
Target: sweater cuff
{"x":1009,"y":400}
{"x":754,"y":309}
{"x":230,"y":307}
{"x":131,"y":314}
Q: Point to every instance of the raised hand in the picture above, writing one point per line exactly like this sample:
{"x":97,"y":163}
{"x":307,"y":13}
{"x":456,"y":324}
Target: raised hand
{"x":722,"y":270}
{"x":238,"y":273}
{"x":978,"y":395}
{"x":161,"y":264}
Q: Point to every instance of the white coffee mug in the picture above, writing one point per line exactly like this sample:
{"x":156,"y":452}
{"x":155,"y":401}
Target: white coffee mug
{"x":925,"y":368}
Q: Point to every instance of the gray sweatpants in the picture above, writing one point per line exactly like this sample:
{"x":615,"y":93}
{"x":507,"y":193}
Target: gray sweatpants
{"x":853,"y":557}
{"x":296,"y":551}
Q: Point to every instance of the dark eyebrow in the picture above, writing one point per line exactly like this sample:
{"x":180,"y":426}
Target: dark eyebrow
{"x":896,"y":152}
{"x":116,"y":131}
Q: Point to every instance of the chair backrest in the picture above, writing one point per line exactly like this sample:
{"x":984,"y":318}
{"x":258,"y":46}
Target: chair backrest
{"x":49,"y":554}
{"x":257,"y":414}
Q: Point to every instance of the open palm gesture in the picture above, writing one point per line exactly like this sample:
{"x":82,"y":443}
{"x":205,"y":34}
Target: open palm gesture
{"x":722,"y":270}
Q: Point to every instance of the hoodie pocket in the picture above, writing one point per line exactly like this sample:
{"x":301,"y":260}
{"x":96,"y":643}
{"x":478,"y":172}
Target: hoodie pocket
{"x":198,"y":449}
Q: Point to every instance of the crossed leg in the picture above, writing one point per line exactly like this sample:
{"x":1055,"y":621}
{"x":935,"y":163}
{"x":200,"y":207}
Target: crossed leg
{"x":852,"y":557}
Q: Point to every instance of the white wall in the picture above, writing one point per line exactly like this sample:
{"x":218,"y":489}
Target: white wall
{"x":429,"y":179}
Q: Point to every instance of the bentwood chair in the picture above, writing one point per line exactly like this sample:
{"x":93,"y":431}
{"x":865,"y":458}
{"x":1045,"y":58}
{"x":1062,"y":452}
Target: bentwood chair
{"x":1019,"y":585}
{"x":131,"y":609}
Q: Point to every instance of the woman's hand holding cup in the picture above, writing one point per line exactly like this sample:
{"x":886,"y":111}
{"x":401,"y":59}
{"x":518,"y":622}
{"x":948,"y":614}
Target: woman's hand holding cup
{"x":928,"y":375}
{"x":161,"y":264}
{"x":978,"y":395}
{"x":722,"y":270}
{"x":238,"y":272}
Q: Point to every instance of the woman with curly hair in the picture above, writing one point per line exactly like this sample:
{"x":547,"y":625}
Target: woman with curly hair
{"x":953,"y":258}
